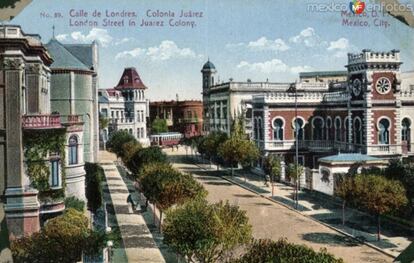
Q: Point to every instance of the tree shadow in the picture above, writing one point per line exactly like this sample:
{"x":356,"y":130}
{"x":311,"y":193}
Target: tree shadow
{"x":244,"y":195}
{"x":219,"y":183}
{"x":330,"y":239}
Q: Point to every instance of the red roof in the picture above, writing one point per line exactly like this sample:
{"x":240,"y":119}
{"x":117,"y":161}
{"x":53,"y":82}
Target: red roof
{"x":130,"y":80}
{"x":111,"y":92}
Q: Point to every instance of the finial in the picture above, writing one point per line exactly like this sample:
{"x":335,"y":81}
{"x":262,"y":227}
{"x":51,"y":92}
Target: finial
{"x":53,"y":31}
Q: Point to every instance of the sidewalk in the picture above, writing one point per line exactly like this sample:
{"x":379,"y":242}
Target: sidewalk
{"x":138,"y":242}
{"x":395,"y":238}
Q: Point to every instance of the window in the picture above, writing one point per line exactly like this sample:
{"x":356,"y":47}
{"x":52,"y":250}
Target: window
{"x":329,"y":135}
{"x":142,"y":133}
{"x":338,"y":129}
{"x":358,"y":131}
{"x":260,"y":128}
{"x":406,"y":130}
{"x":317,"y":128}
{"x":130,"y":131}
{"x":298,"y":129}
{"x":384,"y":133}
{"x":347,"y":129}
{"x":255,"y":130}
{"x":278,"y":132}
{"x":73,"y":150}
{"x":54,"y":166}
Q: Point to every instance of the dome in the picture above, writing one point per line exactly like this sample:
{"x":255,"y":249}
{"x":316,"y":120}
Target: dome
{"x":208,"y":66}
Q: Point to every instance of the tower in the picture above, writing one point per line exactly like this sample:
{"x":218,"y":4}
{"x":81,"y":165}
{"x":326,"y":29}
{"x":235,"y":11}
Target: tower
{"x":374,"y":109}
{"x":208,"y":72}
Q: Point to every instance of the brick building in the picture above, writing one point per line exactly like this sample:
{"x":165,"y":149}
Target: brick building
{"x":184,"y":116}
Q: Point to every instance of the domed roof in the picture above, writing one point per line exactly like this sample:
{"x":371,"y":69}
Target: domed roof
{"x":209,"y":65}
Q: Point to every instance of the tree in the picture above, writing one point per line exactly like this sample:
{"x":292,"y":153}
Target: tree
{"x":209,"y":144}
{"x":273,"y":168}
{"x":345,"y":190}
{"x":103,"y":122}
{"x":379,"y":195}
{"x":283,"y":251}
{"x":236,"y":150}
{"x":165,"y":186}
{"x":117,"y":140}
{"x":203,"y":232}
{"x":144,"y":156}
{"x":63,"y":239}
{"x":158,"y":126}
{"x":128,"y":150}
{"x":294,"y":172}
{"x":93,"y":179}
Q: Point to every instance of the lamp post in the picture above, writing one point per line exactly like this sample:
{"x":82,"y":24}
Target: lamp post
{"x":293,"y":88}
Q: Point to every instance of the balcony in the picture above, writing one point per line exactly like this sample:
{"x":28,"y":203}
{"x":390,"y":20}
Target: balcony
{"x":72,"y":119}
{"x":41,"y":121}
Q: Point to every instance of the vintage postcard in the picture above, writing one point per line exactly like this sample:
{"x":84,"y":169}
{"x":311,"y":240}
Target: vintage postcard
{"x":207,"y":131}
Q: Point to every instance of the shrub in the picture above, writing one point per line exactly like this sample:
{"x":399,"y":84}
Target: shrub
{"x":204,"y":232}
{"x":75,"y":203}
{"x":283,"y":251}
{"x":63,"y":239}
{"x":94,"y":178}
{"x":117,"y":140}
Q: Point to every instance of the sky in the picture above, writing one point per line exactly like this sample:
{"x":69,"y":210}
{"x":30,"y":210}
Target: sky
{"x":259,"y":40}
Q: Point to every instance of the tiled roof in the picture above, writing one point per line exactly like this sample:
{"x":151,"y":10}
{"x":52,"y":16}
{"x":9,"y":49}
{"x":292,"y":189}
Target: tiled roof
{"x":209,"y":65}
{"x":62,"y":57}
{"x":130,"y":79}
{"x":83,"y":52}
{"x":349,"y":157}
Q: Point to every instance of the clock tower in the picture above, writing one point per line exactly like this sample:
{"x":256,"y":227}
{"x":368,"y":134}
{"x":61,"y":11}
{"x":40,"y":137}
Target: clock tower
{"x":374,"y":86}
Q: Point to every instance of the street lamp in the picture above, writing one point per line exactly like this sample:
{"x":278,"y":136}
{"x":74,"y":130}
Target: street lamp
{"x":293,"y":88}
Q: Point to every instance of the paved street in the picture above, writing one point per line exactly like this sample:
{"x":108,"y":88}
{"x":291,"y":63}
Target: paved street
{"x":271,"y":220}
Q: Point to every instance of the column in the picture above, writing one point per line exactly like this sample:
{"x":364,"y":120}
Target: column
{"x":22,"y":207}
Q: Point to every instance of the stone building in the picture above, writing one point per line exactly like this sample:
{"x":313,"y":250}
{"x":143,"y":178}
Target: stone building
{"x":73,"y":95}
{"x":185,"y":117}
{"x":31,"y":157}
{"x":125,"y":106}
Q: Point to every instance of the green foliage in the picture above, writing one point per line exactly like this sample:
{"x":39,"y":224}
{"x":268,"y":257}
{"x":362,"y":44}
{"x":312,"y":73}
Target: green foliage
{"x":204,"y":232}
{"x":378,"y":194}
{"x":75,"y":203}
{"x":345,"y":187}
{"x":238,"y":128}
{"x":103,"y":122}
{"x":236,"y":150}
{"x":272,"y":166}
{"x":209,"y":144}
{"x":129,"y":149}
{"x":268,"y":251}
{"x":144,"y":156}
{"x":165,"y":186}
{"x":94,"y":178}
{"x":63,"y":239}
{"x":37,"y":147}
{"x":294,"y":171}
{"x":158,"y":126}
{"x":117,"y":140}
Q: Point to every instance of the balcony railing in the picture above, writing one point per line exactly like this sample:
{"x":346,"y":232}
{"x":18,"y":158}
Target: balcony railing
{"x":41,"y":121}
{"x":71,"y":119}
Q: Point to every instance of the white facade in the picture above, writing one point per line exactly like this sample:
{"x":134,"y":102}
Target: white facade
{"x":125,"y":110}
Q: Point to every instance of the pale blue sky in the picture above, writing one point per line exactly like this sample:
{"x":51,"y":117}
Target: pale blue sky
{"x":244,"y":39}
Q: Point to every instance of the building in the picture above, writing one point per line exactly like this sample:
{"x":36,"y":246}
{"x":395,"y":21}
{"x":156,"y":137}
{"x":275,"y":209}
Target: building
{"x":185,"y":117}
{"x":74,"y":96}
{"x":31,"y":158}
{"x":371,"y":113}
{"x":125,"y":106}
{"x":323,"y":76}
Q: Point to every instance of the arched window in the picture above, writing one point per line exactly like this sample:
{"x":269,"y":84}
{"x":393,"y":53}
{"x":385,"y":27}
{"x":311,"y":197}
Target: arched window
{"x":73,"y":150}
{"x":260,"y":128}
{"x":406,"y":130}
{"x":317,"y":128}
{"x":130,"y":131}
{"x":298,"y":127}
{"x":255,"y":130}
{"x":278,"y":131}
{"x":347,"y":129}
{"x":328,"y":125}
{"x":384,"y":131}
{"x":338,"y":125}
{"x":357,"y":131}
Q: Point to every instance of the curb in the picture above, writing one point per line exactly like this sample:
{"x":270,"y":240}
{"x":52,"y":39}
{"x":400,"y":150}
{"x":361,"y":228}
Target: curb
{"x":304,"y":215}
